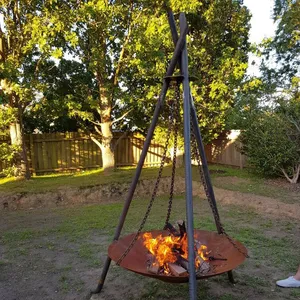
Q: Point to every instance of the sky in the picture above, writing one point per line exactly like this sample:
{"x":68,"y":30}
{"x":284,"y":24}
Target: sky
{"x":262,"y":26}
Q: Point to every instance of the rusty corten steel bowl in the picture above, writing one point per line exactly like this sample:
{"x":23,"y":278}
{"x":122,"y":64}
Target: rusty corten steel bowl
{"x":219,"y":245}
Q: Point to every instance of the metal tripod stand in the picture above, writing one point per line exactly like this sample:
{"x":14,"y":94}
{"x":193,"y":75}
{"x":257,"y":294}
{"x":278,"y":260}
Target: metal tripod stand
{"x":179,"y":58}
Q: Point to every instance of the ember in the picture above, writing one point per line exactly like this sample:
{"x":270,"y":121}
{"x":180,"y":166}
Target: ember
{"x":168,"y":254}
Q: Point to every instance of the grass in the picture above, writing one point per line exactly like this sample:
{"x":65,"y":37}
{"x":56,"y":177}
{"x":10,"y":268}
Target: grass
{"x":79,"y":179}
{"x":82,"y":235}
{"x":79,"y":236}
{"x":96,"y":177}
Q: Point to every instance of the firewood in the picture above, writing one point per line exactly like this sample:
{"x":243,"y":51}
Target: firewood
{"x":204,"y":266}
{"x":154,"y":269}
{"x":177,"y":270}
{"x":182,"y":228}
{"x":150,"y":259}
{"x":171,"y":229}
{"x":152,"y":265}
{"x":182,"y":262}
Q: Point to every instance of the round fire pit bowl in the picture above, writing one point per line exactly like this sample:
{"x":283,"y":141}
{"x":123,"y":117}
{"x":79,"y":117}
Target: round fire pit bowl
{"x":219,"y":245}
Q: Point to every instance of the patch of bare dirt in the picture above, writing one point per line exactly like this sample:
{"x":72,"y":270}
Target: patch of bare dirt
{"x":261,"y":204}
{"x":110,"y":192}
{"x":283,"y":183}
{"x":264,"y":205}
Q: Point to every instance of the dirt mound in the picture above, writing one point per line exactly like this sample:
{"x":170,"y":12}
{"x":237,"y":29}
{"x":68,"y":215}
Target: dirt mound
{"x":109,"y":192}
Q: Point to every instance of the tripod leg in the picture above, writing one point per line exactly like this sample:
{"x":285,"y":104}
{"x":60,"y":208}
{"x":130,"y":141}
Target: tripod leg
{"x":176,"y":56}
{"x":188,"y":168}
{"x":134,"y":182}
{"x":196,"y":126}
{"x":103,"y":276}
{"x":230,"y":277}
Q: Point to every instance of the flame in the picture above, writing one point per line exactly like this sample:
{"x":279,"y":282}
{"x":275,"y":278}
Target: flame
{"x":202,"y":255}
{"x":162,"y":247}
{"x":167,"y":248}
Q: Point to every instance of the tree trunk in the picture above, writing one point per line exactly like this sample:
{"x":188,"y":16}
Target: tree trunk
{"x":295,"y":176}
{"x":108,"y":157}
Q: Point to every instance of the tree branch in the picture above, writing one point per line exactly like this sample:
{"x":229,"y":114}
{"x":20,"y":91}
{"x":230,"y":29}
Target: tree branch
{"x":97,"y":130}
{"x":296,"y":173}
{"x":95,"y":123}
{"x":96,"y":141}
{"x":122,"y":117}
{"x":118,"y":68}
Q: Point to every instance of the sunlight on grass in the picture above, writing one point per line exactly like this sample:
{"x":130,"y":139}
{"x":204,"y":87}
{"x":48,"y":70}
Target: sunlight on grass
{"x":95,"y":177}
{"x":8,"y":179}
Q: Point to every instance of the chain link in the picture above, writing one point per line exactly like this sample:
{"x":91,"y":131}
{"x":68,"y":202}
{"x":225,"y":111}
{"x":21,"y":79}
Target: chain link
{"x":155,"y":188}
{"x":196,"y":155}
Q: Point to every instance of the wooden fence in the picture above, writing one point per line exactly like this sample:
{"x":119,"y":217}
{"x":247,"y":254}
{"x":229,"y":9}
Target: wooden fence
{"x":59,"y":152}
{"x":225,"y":150}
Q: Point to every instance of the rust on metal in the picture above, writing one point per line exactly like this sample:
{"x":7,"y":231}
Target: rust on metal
{"x":219,"y":245}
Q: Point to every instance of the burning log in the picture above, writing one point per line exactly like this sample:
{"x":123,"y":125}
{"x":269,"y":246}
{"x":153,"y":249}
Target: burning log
{"x":203,"y":266}
{"x":152,"y":264}
{"x":183,"y":262}
{"x":177,"y":270}
{"x":171,"y":229}
{"x":168,"y":254}
{"x":182,"y":228}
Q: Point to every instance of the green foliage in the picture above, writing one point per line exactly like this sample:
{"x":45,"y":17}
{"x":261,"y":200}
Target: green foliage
{"x":8,"y":154}
{"x":272,"y":139}
{"x":287,"y":40}
{"x":268,"y":108}
{"x":217,"y":47}
{"x":123,"y":49}
{"x":7,"y":116}
{"x":69,"y":85}
{"x":281,"y":54}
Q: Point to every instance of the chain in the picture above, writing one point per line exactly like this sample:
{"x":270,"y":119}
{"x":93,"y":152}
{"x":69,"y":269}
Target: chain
{"x":154,"y":191}
{"x":212,"y":206}
{"x":176,"y":125}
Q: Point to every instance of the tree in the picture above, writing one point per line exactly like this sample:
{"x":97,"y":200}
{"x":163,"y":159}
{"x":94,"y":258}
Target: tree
{"x":124,"y":48}
{"x":269,"y":114}
{"x":28,"y":35}
{"x":272,"y":140}
{"x":8,"y":153}
{"x":66,"y":81}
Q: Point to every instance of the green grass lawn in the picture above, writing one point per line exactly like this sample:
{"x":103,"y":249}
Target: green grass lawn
{"x":97,"y":177}
{"x":64,"y":249}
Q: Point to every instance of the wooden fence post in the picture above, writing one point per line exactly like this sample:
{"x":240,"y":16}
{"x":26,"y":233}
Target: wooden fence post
{"x":32,"y":155}
{"x":241,"y":156}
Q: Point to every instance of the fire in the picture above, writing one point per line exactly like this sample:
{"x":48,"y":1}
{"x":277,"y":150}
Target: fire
{"x":170,"y":249}
{"x":162,"y":247}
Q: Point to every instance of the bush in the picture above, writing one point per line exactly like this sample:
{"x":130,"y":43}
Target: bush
{"x":272,"y":141}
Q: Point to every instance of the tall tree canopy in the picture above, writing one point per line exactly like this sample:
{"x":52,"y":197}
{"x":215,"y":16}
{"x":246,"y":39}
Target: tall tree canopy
{"x":123,"y":48}
{"x":28,"y":35}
